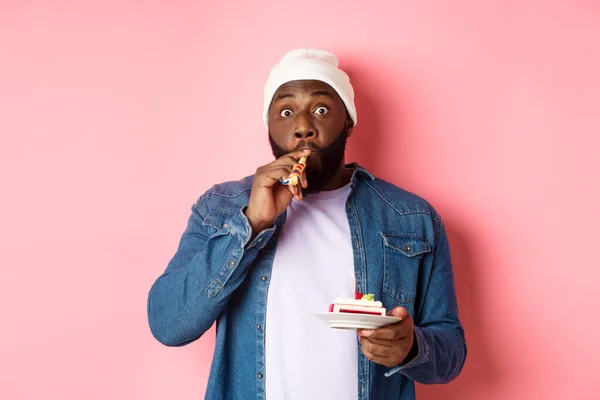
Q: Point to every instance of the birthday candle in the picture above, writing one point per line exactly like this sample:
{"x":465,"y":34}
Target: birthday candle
{"x":296,"y":172}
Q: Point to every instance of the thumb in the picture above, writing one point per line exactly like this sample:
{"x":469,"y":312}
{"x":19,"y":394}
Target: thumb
{"x":399,"y":312}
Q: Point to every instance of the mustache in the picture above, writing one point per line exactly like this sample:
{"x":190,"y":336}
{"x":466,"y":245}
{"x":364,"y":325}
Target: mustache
{"x":305,"y":143}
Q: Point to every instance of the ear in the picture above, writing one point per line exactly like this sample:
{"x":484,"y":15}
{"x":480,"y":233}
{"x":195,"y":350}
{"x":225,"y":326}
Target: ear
{"x":349,"y":125}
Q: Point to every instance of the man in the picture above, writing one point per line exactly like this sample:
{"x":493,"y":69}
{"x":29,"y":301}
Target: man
{"x":259,"y":258}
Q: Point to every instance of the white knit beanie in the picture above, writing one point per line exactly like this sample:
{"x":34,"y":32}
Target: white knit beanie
{"x":310,"y":64}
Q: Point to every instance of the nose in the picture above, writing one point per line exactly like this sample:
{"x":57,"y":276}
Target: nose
{"x":304,"y":127}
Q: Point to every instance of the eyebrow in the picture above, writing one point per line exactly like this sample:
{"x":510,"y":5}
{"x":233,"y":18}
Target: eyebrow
{"x":322,"y":93}
{"x":284,"y":96}
{"x":313,"y":94}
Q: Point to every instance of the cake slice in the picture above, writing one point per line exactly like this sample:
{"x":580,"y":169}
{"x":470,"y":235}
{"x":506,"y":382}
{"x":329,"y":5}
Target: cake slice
{"x":360,"y":304}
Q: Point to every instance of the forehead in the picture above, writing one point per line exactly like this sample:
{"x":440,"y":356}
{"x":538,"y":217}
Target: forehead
{"x":309,"y":87}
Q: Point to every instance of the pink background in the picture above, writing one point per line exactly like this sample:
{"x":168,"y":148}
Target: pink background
{"x":115,"y":116}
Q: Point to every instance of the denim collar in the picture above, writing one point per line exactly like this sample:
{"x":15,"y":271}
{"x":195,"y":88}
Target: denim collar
{"x":359,"y":170}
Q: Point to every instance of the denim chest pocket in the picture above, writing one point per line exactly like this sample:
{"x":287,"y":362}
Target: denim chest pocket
{"x":402,"y":257}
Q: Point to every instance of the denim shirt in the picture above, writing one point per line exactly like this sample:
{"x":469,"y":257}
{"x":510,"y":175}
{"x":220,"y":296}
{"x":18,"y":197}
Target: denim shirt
{"x":401,"y":255}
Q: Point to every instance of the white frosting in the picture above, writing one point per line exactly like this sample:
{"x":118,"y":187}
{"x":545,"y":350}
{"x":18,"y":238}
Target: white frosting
{"x":358,"y":302}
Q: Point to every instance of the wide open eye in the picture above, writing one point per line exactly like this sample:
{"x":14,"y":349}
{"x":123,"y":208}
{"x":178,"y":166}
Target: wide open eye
{"x":321,"y":110}
{"x":286,"y":113}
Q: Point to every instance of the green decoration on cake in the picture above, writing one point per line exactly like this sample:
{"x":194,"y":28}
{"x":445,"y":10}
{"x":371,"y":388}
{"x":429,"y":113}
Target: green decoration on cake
{"x":369,"y":297}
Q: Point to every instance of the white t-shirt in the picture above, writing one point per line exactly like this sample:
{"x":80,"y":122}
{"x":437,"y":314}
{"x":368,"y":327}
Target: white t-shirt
{"x":305,"y":359}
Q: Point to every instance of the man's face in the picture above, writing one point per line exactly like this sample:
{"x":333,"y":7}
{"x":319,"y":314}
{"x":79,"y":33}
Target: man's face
{"x":310,"y":114}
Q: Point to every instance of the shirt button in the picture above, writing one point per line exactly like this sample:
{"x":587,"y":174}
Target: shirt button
{"x":259,"y":376}
{"x":232,"y":263}
{"x":257,"y":326}
{"x":263,"y":278}
{"x":224,"y":225}
{"x":408,"y":248}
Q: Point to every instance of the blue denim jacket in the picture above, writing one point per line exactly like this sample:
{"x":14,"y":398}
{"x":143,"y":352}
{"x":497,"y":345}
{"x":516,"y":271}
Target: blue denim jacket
{"x":401,"y":255}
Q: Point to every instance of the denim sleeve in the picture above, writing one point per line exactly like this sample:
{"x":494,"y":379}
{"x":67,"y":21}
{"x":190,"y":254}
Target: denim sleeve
{"x":209,"y":265}
{"x":439,"y":334}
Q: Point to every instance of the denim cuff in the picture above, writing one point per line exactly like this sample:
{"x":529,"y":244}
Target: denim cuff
{"x":422,"y":355}
{"x":240,"y":226}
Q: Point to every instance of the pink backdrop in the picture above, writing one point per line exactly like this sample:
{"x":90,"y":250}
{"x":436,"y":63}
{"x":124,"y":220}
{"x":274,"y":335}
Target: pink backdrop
{"x":116,"y":116}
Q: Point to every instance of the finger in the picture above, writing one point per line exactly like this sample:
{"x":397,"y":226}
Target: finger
{"x":292,"y":158}
{"x":300,"y":153}
{"x":304,"y":181}
{"x":299,"y":187}
{"x":286,"y":168}
{"x":386,"y":361}
{"x":382,"y":342}
{"x":399,"y":312}
{"x":284,"y":160}
{"x":387,"y":333}
{"x":374,"y":352}
{"x":395,"y":331}
{"x":271,"y":175}
{"x":386,"y":342}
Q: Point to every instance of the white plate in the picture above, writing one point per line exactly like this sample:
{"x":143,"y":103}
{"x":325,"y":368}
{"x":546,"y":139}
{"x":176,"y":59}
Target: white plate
{"x":355,"y":321}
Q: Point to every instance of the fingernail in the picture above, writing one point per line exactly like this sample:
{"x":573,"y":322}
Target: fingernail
{"x":366,"y":333}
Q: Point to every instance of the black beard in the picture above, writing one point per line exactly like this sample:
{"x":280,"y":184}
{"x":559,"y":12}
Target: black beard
{"x":331,"y":160}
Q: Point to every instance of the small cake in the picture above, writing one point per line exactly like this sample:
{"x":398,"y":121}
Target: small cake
{"x":360,"y":304}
